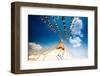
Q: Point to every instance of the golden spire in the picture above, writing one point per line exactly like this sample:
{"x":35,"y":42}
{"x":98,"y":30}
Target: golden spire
{"x":60,"y":45}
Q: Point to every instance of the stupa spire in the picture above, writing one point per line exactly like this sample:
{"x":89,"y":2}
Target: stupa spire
{"x":60,"y":45}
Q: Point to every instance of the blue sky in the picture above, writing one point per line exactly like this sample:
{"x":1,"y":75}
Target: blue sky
{"x":40,"y":33}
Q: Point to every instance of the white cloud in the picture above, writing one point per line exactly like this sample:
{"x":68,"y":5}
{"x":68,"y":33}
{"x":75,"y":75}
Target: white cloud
{"x":35,"y":46}
{"x":77,"y":21}
{"x":34,"y":49}
{"x":76,"y":26}
{"x":76,"y":42}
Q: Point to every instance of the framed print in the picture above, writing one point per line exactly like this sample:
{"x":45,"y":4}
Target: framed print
{"x":52,"y":37}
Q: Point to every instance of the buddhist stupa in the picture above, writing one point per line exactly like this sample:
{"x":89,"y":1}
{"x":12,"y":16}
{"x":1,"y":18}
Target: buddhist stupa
{"x":53,"y":53}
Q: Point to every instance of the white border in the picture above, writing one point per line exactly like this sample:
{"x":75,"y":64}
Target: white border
{"x":25,"y":64}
